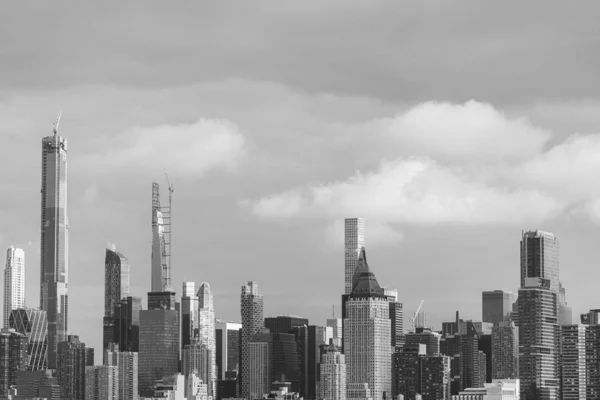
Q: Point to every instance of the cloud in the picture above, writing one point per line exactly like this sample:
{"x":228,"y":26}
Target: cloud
{"x":182,"y":149}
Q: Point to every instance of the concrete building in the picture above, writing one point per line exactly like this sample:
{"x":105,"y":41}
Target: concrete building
{"x":127,"y":372}
{"x":116,"y":287}
{"x":14,"y":282}
{"x":33,"y":324}
{"x":73,"y":357}
{"x":54,"y":247}
{"x":196,"y":359}
{"x":335,"y":324}
{"x":126,"y":319}
{"x":497,"y":306}
{"x":354,"y":233}
{"x":505,"y":351}
{"x":251,"y":307}
{"x":358,"y":391}
{"x":258,"y":372}
{"x":13,"y":358}
{"x":497,"y":390}
{"x":573,"y":362}
{"x":102,"y":383}
{"x":227,"y":347}
{"x":333,"y":374}
{"x":37,"y":384}
{"x":434,"y":377}
{"x":425,"y":336}
{"x":367,"y":331}
{"x":405,"y":370}
{"x":206,"y":332}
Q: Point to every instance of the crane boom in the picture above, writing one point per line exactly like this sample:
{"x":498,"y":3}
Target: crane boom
{"x":55,"y":129}
{"x":414,"y":317}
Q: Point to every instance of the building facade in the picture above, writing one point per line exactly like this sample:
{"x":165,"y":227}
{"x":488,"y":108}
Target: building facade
{"x":434,"y":377}
{"x":102,"y":383}
{"x":72,"y":359}
{"x":496,"y":306}
{"x":189,"y":313}
{"x":573,"y":362}
{"x":258,"y":372}
{"x":227,"y":340}
{"x":116,"y":287}
{"x":126,"y":319}
{"x":160,"y":270}
{"x":33,"y":324}
{"x":127,"y":372}
{"x":354,"y":233}
{"x":54,"y":257}
{"x":505,"y":351}
{"x":251,"y":305}
{"x":13,"y":358}
{"x":206,"y":332}
{"x":14,"y":282}
{"x":333,"y":374}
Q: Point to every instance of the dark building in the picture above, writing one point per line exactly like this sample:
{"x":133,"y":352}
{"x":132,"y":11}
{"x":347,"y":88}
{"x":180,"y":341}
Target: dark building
{"x":116,"y":287}
{"x":37,"y":384}
{"x":227,"y":338}
{"x":189,"y":314}
{"x":485,"y":346}
{"x":283,"y":357}
{"x":13,"y":358}
{"x":405,"y":370}
{"x":468,"y":365}
{"x":226,"y":388}
{"x":72,"y":359}
{"x":434,"y":377}
{"x":127,"y":324}
{"x":314,"y":337}
{"x":426,"y":337}
{"x":284,"y":324}
{"x":396,"y":317}
{"x":34,"y":325}
{"x":496,"y":306}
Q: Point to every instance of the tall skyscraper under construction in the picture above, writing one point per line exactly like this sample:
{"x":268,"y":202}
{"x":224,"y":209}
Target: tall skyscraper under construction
{"x":54,"y":262}
{"x":161,"y":242}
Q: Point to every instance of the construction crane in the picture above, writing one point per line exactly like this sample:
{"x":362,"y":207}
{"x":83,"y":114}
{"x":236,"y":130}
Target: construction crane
{"x":55,"y":129}
{"x":413,"y":319}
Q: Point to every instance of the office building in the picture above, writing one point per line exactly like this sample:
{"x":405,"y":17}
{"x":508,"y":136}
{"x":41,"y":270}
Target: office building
{"x":405,"y":370}
{"x":573,"y":362}
{"x":195,"y":388}
{"x":54,"y":262}
{"x":197,"y":358}
{"x":538,"y":340}
{"x":396,"y":320}
{"x":333,"y":374}
{"x":283,"y":357}
{"x":367,"y":331}
{"x":284,"y":323}
{"x":358,"y":391}
{"x":540,"y":258}
{"x":72,"y":358}
{"x":206,"y":332}
{"x":258,"y":373}
{"x":127,"y":371}
{"x":159,"y":341}
{"x":116,"y":287}
{"x":496,"y":306}
{"x":336,"y":330}
{"x":434,"y":377}
{"x":38,"y":384}
{"x":189,"y":314}
{"x":592,"y":358}
{"x":161,"y":231}
{"x":353,"y":243}
{"x":169,"y":387}
{"x":485,"y":347}
{"x":13,"y":358}
{"x":14,"y":282}
{"x":33,"y":324}
{"x":102,"y":383}
{"x":251,"y":307}
{"x":505,"y":351}
{"x":425,"y":336}
{"x":127,"y":324}
{"x":227,"y":347}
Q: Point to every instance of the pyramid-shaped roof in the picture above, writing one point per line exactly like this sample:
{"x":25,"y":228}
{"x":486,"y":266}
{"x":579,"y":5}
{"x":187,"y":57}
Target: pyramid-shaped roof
{"x":364,"y":283}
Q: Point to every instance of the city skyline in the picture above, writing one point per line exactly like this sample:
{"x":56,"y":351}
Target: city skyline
{"x":244,"y":125}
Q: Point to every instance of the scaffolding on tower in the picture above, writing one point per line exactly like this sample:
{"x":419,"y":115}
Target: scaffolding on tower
{"x":168,"y":224}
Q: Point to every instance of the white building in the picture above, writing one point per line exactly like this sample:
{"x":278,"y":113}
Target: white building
{"x":14,"y":282}
{"x":102,"y":383}
{"x":196,"y":389}
{"x":359,"y":391}
{"x":354,"y":241}
{"x":206,"y":332}
{"x":499,"y":389}
{"x":127,"y":370}
{"x":367,"y":334}
{"x":333,"y":374}
{"x":334,"y":331}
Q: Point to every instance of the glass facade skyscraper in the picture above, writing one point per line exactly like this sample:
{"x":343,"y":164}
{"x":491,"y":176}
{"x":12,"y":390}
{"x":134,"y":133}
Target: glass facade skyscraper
{"x":34,"y":325}
{"x":116,"y":287}
{"x":54,"y":248}
{"x":354,"y":233}
{"x":206,"y":332}
{"x":251,"y":303}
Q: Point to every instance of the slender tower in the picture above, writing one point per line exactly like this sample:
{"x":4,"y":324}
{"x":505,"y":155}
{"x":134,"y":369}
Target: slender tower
{"x":116,"y":288}
{"x":252,"y":323}
{"x":14,"y":282}
{"x":54,"y":249}
{"x":207,"y":333}
{"x":354,"y":240}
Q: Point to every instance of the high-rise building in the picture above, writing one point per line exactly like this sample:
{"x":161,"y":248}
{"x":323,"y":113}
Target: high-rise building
{"x":539,"y":342}
{"x":206,"y":332}
{"x":227,"y":347}
{"x":496,"y":306}
{"x":116,"y":287}
{"x":505,"y":351}
{"x":258,"y":373}
{"x":13,"y":358}
{"x":102,"y":382}
{"x":284,"y":323}
{"x":540,"y":258}
{"x":189,"y":313}
{"x":333,"y":374}
{"x":592,"y":358}
{"x":127,"y":324}
{"x":434,"y":377}
{"x":14,"y":282}
{"x":354,"y":242}
{"x":197,"y":358}
{"x":251,"y":305}
{"x":72,"y":358}
{"x":367,"y":328}
{"x":159,"y":341}
{"x":34,"y":325}
{"x":425,"y":336}
{"x":506,"y":389}
{"x":127,"y":371}
{"x":54,"y":256}
{"x":161,"y":232}
{"x":283,"y":355}
{"x":573,"y":365}
{"x":336,"y":330}
{"x":405,"y":376}
{"x":38,"y":384}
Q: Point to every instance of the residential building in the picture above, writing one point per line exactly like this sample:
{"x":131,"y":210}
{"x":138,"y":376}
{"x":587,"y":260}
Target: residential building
{"x":425,"y":336}
{"x":258,"y":373}
{"x":434,"y":377}
{"x":38,"y":384}
{"x":227,"y":347}
{"x":160,"y":275}
{"x":14,"y":282}
{"x":206,"y":332}
{"x":197,"y":358}
{"x":354,"y":242}
{"x":127,"y":371}
{"x":116,"y":287}
{"x":573,"y":362}
{"x":73,"y":357}
{"x":34,"y":325}
{"x":102,"y":382}
{"x":13,"y":358}
{"x":251,"y":307}
{"x":505,"y":351}
{"x":189,"y":314}
{"x":54,"y":256}
{"x":496,"y":306}
{"x":333,"y":374}
{"x":505,"y":389}
{"x":405,"y":370}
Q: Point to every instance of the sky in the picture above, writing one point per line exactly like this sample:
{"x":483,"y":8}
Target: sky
{"x":450,"y":126}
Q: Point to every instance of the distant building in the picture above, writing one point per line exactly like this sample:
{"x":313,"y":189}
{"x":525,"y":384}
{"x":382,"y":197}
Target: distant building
{"x":354,"y":234}
{"x":14,"y":282}
{"x":283,"y":357}
{"x":127,"y":372}
{"x":197,"y":358}
{"x":505,"y":351}
{"x":258,"y":373}
{"x":333,"y":374}
{"x":358,"y":391}
{"x":430,"y":339}
{"x":73,"y":357}
{"x":102,"y":383}
{"x":434,"y":377}
{"x":206,"y":332}
{"x":189,"y":314}
{"x":251,"y":305}
{"x":34,"y":325}
{"x":405,"y":376}
{"x":497,"y":390}
{"x":38,"y":384}
{"x":573,"y":362}
{"x":127,"y":324}
{"x":336,"y":330}
{"x":13,"y":358}
{"x":170,"y":387}
{"x":116,"y":287}
{"x":227,"y":347}
{"x":496,"y":306}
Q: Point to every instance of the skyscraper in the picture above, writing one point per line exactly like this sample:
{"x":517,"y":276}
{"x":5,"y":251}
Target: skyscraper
{"x":72,"y":358}
{"x":102,"y":382}
{"x":196,"y":358}
{"x":116,"y":287}
{"x":14,"y":282}
{"x":505,"y":351}
{"x":127,"y":324}
{"x":54,"y":257}
{"x":161,"y":271}
{"x":228,"y":347}
{"x":189,"y":313}
{"x":206,"y":331}
{"x":13,"y":358}
{"x":573,"y":362}
{"x":539,"y":258}
{"x":127,"y":371}
{"x":258,"y":372}
{"x":354,"y":241}
{"x":496,"y":306}
{"x":333,"y":374}
{"x":434,"y":377}
{"x":34,"y":325}
{"x":367,"y":334}
{"x":251,"y":303}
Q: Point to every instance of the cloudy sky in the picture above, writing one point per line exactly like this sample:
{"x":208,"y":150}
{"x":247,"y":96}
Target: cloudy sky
{"x":450,"y":126}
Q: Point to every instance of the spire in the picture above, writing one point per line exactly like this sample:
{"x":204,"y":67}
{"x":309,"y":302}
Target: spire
{"x":364,"y":282}
{"x":361,"y":265}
